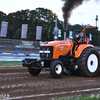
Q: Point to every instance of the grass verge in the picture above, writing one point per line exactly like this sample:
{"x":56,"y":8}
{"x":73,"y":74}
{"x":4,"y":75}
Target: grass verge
{"x":92,"y":97}
{"x":10,"y":63}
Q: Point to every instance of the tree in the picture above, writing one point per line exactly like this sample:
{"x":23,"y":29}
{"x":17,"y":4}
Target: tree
{"x":2,"y":17}
{"x":40,"y":17}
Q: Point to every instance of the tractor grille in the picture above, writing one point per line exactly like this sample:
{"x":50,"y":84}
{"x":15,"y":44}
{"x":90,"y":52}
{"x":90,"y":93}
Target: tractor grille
{"x":46,"y":51}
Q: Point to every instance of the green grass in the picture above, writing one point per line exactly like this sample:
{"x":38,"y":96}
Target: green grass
{"x":80,"y":98}
{"x":10,"y":63}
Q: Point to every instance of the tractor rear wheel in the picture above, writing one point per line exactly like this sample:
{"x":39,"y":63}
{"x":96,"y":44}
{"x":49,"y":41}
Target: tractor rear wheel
{"x":56,"y":69}
{"x":88,"y":63}
{"x":34,"y":72}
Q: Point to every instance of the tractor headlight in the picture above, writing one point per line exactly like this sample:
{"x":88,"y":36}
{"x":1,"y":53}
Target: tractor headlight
{"x":46,"y":51}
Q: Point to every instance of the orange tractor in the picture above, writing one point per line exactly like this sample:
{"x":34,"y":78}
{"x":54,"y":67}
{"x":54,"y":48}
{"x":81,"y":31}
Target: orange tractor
{"x":70,"y":56}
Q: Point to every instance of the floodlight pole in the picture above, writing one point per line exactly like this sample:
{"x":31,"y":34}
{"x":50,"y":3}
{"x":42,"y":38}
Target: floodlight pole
{"x":56,"y":30}
{"x":96,"y":19}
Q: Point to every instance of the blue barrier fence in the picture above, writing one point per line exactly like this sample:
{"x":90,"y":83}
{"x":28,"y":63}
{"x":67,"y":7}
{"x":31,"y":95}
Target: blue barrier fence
{"x":15,"y":50}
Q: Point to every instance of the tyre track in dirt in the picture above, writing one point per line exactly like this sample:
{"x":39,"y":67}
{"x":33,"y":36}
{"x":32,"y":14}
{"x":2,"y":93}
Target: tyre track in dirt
{"x":20,"y":85}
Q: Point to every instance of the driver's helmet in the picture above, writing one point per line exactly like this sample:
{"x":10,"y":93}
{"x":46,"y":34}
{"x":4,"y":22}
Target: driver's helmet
{"x":77,"y":36}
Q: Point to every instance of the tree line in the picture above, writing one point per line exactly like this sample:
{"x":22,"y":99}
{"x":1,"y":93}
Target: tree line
{"x":40,"y":17}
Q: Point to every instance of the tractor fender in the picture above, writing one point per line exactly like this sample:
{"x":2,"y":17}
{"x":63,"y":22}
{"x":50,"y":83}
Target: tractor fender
{"x":81,"y":48}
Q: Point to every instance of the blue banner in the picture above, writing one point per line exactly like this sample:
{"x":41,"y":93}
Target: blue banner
{"x":38,"y":32}
{"x":59,"y":33}
{"x":4,"y":27}
{"x":24,"y":31}
{"x":71,"y":34}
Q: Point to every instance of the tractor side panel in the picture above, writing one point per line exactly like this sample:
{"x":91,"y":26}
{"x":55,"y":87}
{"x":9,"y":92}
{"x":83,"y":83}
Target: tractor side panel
{"x":62,"y":49}
{"x":81,"y":48}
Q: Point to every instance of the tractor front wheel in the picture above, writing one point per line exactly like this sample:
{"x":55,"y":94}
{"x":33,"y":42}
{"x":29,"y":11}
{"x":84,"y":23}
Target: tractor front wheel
{"x":34,"y":72}
{"x":56,"y":69}
{"x":88,"y":63}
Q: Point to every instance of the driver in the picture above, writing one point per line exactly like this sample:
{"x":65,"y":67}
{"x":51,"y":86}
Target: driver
{"x":77,"y":36}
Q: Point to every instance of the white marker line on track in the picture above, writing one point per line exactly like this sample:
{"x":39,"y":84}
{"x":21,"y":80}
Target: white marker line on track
{"x":50,"y":94}
{"x":14,"y":73}
{"x":12,"y":66}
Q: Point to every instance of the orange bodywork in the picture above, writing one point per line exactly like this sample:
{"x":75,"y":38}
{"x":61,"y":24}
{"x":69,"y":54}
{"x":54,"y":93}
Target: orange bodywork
{"x":61,"y":48}
{"x":81,"y":48}
{"x":87,"y":28}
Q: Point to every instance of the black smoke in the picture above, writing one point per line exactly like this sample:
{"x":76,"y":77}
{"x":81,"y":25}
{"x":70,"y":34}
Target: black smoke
{"x":69,"y":5}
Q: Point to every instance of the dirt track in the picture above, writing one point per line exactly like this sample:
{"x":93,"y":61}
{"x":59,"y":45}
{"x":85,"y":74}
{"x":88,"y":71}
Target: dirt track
{"x":17,"y":84}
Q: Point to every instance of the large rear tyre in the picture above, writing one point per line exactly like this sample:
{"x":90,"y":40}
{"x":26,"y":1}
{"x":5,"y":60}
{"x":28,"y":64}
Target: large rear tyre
{"x":56,"y":69}
{"x":34,"y":72}
{"x":88,"y":63}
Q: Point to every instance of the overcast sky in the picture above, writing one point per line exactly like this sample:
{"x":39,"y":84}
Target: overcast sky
{"x":84,"y":14}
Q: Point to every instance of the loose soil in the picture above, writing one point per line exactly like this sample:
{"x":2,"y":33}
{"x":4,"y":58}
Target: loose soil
{"x":17,"y":84}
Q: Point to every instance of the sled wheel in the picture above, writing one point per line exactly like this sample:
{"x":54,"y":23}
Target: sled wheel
{"x":88,"y":63}
{"x":34,"y":72}
{"x":56,"y":69}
